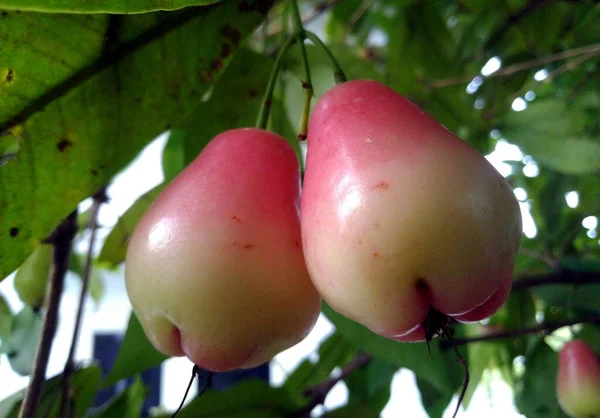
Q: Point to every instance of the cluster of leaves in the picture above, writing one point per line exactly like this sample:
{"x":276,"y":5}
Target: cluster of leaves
{"x":82,"y":94}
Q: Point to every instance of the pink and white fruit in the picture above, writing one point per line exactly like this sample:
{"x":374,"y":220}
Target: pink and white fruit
{"x":400,"y":216}
{"x":215,"y":269}
{"x":578,"y":380}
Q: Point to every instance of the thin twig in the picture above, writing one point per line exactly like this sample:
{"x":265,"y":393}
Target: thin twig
{"x":61,"y":239}
{"x":319,"y":392}
{"x":320,"y":9}
{"x":358,"y":13}
{"x":567,"y":277}
{"x":520,"y":66}
{"x":570,"y":65}
{"x":98,"y":199}
{"x":538,"y":255}
{"x":544,"y":329}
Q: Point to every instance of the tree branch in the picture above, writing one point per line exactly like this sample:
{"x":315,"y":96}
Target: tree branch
{"x":99,"y":199}
{"x":589,"y":51}
{"x":61,"y":239}
{"x":543,"y":328}
{"x":566,"y":277}
{"x":319,"y":392}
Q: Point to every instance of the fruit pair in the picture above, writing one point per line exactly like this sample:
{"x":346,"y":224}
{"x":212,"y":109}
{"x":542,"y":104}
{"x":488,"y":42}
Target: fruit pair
{"x":399,"y":219}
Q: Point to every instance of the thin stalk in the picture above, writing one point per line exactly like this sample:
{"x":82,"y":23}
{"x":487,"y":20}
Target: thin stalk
{"x":99,"y":198}
{"x":265,"y":107}
{"x":306,"y":83}
{"x":338,"y":73}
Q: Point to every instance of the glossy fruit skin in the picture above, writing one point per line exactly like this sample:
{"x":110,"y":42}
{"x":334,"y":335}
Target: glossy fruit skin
{"x":399,"y":215}
{"x":215,"y":269}
{"x":578,"y":380}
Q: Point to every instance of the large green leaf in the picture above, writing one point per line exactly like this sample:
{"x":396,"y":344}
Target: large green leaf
{"x":249,"y":399}
{"x":128,"y":404}
{"x":554,"y":134}
{"x":234,"y":103}
{"x":334,"y":352}
{"x":161,"y":66}
{"x":433,"y":401}
{"x":84,"y":385}
{"x":440,"y":369}
{"x":114,"y":249}
{"x":136,"y":354}
{"x":370,"y":386}
{"x":101,"y":6}
{"x":20,"y":347}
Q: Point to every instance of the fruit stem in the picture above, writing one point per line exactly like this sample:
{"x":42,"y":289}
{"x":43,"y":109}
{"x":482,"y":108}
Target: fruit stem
{"x":338,"y":73}
{"x":307,"y":87}
{"x":265,"y":107}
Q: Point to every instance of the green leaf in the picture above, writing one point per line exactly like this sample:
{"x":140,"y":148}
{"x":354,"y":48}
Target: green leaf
{"x":6,"y":318}
{"x":434,"y":401}
{"x":440,"y":369}
{"x":84,"y":136}
{"x":135,"y":355}
{"x":251,"y":398}
{"x":333,"y":352}
{"x":591,"y":334}
{"x":535,"y":392}
{"x":21,"y":345}
{"x":99,"y":6}
{"x":370,"y":387}
{"x":481,"y":357}
{"x":84,"y":385}
{"x":114,"y":249}
{"x":234,"y":103}
{"x":128,"y":404}
{"x":32,"y":277}
{"x":517,"y":312}
{"x":173,"y":157}
{"x":554,"y":134}
{"x":352,"y":411}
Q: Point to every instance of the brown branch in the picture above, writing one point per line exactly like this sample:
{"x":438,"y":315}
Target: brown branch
{"x":589,"y":50}
{"x":319,"y":392}
{"x":566,"y":277}
{"x":543,"y":328}
{"x":61,"y":239}
{"x":98,"y":199}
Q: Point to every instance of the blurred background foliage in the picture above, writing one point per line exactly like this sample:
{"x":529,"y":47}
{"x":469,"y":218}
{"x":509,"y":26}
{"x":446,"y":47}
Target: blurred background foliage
{"x":519,"y":80}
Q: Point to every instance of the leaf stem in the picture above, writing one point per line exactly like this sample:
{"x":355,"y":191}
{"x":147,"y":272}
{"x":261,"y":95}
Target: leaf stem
{"x":98,"y":199}
{"x":265,"y":107}
{"x":338,"y":73}
{"x":61,"y":239}
{"x":307,"y":87}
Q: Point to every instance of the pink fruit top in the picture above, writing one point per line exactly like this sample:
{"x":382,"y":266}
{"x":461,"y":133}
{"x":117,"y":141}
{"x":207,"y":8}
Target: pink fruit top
{"x":399,"y":215}
{"x":578,"y":380}
{"x":215,"y":268}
